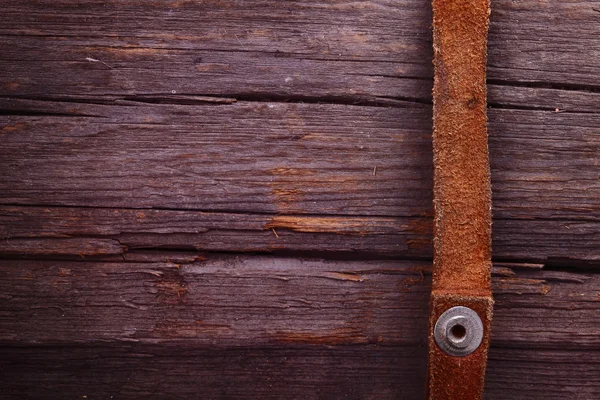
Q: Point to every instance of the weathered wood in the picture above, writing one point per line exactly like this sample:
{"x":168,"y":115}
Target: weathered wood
{"x":288,"y":158}
{"x":542,"y":374}
{"x":553,"y":242}
{"x":544,"y":99}
{"x":82,"y":247}
{"x":228,"y":301}
{"x":306,"y":326}
{"x":347,"y":50}
{"x":259,"y":157}
{"x":178,"y":125}
{"x":551,"y":43}
{"x":131,"y":371}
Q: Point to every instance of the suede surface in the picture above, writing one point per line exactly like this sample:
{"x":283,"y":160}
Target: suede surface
{"x":462,"y":190}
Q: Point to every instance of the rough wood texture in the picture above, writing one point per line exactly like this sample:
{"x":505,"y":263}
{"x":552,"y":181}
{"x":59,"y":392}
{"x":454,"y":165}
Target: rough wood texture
{"x":359,"y":372}
{"x":539,"y":157}
{"x":174,"y":372}
{"x":142,"y":317}
{"x":286,"y":158}
{"x":294,"y":127}
{"x":343,"y":49}
{"x":552,"y":242}
{"x":232,"y":301}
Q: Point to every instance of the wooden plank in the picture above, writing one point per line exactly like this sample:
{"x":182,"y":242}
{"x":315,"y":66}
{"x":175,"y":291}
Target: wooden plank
{"x":131,"y":371}
{"x":166,"y":372}
{"x":286,"y":158}
{"x":542,"y":374}
{"x":355,"y":57}
{"x":227,"y":301}
{"x":307,"y":328}
{"x":345,"y":50}
{"x":58,"y":247}
{"x":543,"y":99}
{"x":258,"y":48}
{"x":113,"y":108}
{"x":69,"y":231}
{"x":259,"y":157}
{"x":549,"y":42}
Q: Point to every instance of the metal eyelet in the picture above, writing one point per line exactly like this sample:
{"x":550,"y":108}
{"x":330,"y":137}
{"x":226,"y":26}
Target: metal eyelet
{"x":458,"y":331}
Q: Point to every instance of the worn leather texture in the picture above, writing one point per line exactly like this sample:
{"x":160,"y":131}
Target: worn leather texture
{"x":462,"y":190}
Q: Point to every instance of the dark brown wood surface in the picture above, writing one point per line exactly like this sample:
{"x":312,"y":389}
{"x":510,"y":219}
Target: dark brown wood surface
{"x":252,"y":320}
{"x":221,"y":200}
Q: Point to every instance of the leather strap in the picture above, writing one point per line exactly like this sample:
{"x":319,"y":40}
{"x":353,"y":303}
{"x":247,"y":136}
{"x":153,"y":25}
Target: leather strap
{"x":462,"y":191}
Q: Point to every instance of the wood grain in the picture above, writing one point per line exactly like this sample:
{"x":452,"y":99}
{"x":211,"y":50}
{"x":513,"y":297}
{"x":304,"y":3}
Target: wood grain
{"x":285,"y":158}
{"x":67,"y":230}
{"x":374,"y":54}
{"x":346,"y":49}
{"x":226,"y":301}
{"x":253,"y":316}
{"x":131,"y":371}
{"x":136,"y":133}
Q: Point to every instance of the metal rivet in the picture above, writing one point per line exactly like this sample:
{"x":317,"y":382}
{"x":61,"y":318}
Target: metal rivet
{"x":458,"y":331}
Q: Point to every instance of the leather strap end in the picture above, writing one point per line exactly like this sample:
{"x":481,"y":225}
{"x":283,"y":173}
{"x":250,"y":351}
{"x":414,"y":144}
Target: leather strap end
{"x":451,"y":377}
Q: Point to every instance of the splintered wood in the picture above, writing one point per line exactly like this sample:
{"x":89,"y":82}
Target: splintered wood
{"x":141,"y":139}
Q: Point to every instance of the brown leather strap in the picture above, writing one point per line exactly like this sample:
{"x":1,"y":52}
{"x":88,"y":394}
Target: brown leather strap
{"x":462,"y":193}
